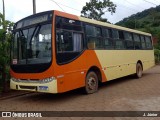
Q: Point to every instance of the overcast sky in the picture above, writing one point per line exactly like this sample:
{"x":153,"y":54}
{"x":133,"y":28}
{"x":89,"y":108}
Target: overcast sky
{"x":17,"y":9}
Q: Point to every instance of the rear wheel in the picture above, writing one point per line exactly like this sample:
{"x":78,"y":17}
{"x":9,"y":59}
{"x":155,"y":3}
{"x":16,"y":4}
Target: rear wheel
{"x":139,"y":70}
{"x":91,"y":83}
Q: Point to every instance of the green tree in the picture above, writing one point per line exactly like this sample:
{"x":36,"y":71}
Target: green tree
{"x":95,"y":9}
{"x":130,"y":24}
{"x":158,"y":42}
{"x":5,"y":40}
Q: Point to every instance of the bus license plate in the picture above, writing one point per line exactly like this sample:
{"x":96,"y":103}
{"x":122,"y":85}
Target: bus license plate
{"x":43,"y":88}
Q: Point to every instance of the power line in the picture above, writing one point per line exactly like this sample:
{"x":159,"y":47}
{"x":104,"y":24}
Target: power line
{"x":134,"y":4}
{"x":80,"y":10}
{"x":127,"y":7}
{"x":65,"y":6}
{"x":150,"y":2}
{"x":157,"y":1}
{"x":58,"y":5}
{"x":78,"y":2}
{"x":120,"y":5}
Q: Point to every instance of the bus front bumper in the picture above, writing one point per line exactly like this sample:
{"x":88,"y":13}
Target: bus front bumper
{"x":36,"y":86}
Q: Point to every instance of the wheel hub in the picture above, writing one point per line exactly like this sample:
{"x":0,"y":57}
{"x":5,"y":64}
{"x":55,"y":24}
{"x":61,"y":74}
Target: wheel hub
{"x":91,"y":83}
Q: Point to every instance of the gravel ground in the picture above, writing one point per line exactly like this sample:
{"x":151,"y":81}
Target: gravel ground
{"x":124,"y":94}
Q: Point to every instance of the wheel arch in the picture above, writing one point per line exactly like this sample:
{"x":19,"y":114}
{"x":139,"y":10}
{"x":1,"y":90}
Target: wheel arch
{"x":97,"y":71}
{"x":140,"y":62}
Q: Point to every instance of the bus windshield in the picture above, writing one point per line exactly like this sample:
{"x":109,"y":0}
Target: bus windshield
{"x":32,"y":45}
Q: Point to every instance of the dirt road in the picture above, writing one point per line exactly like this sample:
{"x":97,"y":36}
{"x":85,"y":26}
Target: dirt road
{"x":124,"y":94}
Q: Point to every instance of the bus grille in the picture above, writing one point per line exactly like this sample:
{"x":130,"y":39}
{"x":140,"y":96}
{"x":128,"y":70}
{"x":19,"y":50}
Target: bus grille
{"x":28,"y":87}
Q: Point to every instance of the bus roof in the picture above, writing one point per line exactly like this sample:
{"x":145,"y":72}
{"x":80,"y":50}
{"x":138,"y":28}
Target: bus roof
{"x":112,"y":26}
{"x":103,"y":23}
{"x":90,"y":21}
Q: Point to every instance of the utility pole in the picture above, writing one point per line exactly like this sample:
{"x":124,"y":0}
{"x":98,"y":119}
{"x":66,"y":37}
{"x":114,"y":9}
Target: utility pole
{"x":4,"y":27}
{"x":34,"y":6}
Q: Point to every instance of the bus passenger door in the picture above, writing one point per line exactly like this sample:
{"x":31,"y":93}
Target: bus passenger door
{"x":71,"y":59}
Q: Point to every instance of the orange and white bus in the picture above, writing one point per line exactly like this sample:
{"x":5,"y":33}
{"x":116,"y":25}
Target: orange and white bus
{"x":55,"y":52}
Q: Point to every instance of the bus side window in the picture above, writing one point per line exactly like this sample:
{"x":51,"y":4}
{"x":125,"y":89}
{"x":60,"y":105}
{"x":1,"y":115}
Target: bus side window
{"x":143,"y":43}
{"x":94,"y":37}
{"x":64,"y":41}
{"x":118,"y":39}
{"x":115,"y":34}
{"x":148,"y":42}
{"x":128,"y":40}
{"x":137,"y":41}
{"x":107,"y":36}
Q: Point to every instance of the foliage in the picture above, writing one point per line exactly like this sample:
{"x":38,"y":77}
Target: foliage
{"x":5,"y":49}
{"x":5,"y":40}
{"x":130,"y":24}
{"x":95,"y":9}
{"x":157,"y":50}
{"x":148,"y":15}
{"x":147,"y":21}
{"x":157,"y":55}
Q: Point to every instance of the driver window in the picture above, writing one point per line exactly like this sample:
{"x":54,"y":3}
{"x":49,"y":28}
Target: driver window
{"x":68,"y":41}
{"x":69,"y":45}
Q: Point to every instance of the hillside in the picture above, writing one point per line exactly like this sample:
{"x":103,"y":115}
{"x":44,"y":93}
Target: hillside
{"x":147,"y":20}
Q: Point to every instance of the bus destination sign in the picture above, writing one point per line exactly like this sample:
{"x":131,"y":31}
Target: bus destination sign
{"x":34,"y":20}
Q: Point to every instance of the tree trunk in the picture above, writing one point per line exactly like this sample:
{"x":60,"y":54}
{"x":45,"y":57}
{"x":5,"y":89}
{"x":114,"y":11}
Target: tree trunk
{"x":4,"y":83}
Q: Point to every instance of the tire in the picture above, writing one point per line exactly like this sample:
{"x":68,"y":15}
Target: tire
{"x":91,"y":83}
{"x":139,"y":70}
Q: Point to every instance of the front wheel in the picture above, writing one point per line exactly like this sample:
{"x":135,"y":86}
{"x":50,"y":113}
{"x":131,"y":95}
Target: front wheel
{"x":139,"y":70}
{"x":91,"y":83}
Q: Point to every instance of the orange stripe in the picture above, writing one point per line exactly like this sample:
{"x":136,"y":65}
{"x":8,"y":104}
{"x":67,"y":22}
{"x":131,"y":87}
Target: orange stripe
{"x":67,"y":15}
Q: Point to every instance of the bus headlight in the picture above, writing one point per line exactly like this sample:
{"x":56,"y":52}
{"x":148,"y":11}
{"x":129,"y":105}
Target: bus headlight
{"x":41,"y":81}
{"x":14,"y":79}
{"x":47,"y":80}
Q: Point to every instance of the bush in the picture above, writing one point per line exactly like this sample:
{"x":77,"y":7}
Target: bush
{"x":157,"y":55}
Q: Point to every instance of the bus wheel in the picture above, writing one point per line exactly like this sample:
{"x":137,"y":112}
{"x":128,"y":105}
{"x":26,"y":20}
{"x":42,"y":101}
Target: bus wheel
{"x":139,"y":70}
{"x":91,"y":83}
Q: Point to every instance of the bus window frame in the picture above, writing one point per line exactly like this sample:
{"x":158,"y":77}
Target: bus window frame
{"x":34,"y":68}
{"x":135,"y":34}
{"x":73,"y":31}
{"x":97,"y":37}
{"x":118,"y":39}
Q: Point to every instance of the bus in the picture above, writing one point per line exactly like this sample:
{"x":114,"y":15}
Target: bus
{"x":55,"y":52}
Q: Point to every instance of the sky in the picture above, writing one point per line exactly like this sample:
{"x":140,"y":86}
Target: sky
{"x":18,"y":9}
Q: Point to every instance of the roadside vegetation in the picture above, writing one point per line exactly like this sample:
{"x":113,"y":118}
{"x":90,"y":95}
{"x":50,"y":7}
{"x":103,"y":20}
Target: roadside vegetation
{"x":5,"y":41}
